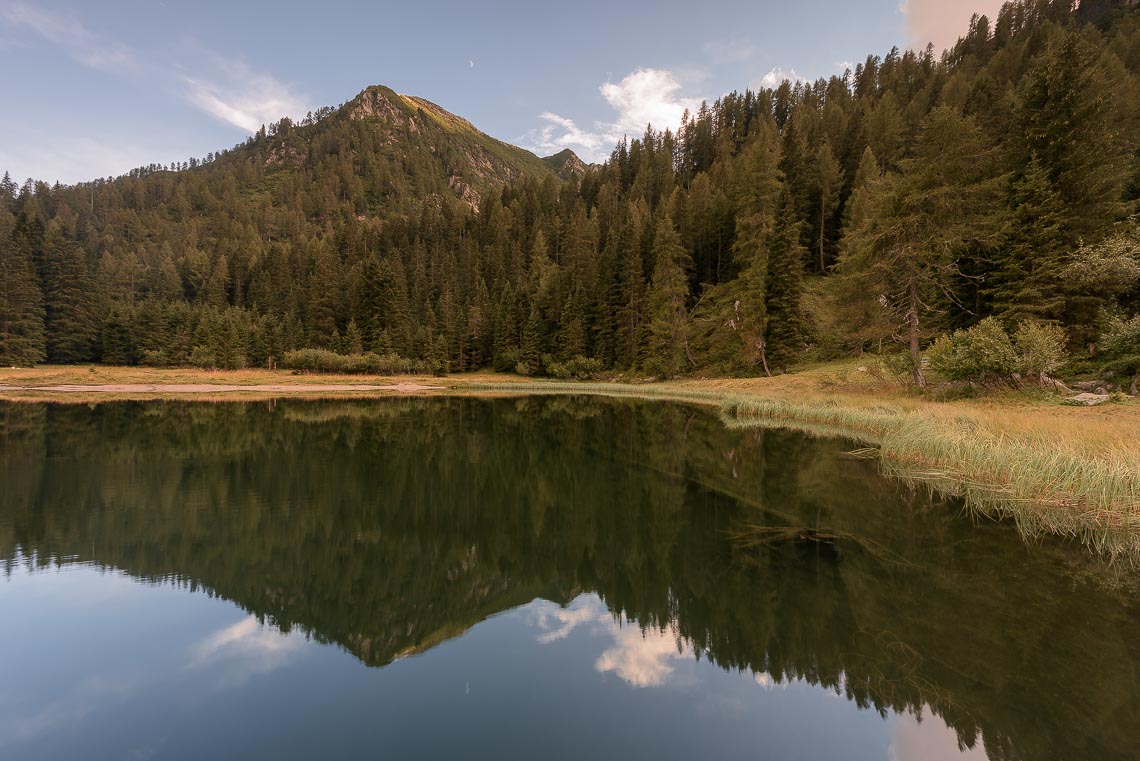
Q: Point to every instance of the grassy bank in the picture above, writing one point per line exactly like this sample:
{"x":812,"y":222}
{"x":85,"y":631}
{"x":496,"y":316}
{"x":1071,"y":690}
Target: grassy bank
{"x":1054,"y":468}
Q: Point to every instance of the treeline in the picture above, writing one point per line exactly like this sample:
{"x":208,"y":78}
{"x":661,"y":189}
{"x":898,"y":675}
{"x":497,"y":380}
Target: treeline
{"x":904,"y":199}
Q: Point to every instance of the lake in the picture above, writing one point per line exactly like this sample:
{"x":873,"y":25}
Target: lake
{"x":536,"y":577}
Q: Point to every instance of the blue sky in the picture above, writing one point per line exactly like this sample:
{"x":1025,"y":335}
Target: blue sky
{"x":95,"y":88}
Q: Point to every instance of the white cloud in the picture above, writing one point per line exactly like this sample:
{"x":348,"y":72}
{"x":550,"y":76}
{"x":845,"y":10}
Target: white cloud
{"x":943,"y":21}
{"x":247,"y":648}
{"x":776,"y":76}
{"x":644,"y":97}
{"x":241,"y":96}
{"x":67,"y":32}
{"x":643,"y":658}
{"x":226,"y":88}
{"x":560,"y":622}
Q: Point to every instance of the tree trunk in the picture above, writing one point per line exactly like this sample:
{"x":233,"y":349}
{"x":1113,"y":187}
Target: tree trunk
{"x":912,"y":322}
{"x":822,"y":215}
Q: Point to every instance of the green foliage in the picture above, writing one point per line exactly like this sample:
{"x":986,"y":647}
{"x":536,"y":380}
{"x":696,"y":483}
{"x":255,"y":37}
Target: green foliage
{"x":577,"y":368}
{"x":981,"y":353}
{"x":986,"y":352}
{"x":321,"y":361}
{"x":922,"y":194}
{"x":1041,"y":348}
{"x":1120,"y":336}
{"x":668,"y":293}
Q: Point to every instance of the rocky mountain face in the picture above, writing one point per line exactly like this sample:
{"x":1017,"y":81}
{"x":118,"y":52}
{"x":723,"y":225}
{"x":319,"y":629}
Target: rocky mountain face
{"x":430,"y":144}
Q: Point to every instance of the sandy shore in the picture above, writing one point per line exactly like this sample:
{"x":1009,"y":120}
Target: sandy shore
{"x":214,"y":388}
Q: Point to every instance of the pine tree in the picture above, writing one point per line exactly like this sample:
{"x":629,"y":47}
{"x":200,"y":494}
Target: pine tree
{"x":828,"y":181}
{"x":1028,"y":282}
{"x":22,"y":339}
{"x":530,"y":353}
{"x":665,"y":302}
{"x":758,"y":190}
{"x":69,"y":301}
{"x":903,"y":255}
{"x":353,"y":340}
{"x":1069,"y":121}
{"x":784,"y":323}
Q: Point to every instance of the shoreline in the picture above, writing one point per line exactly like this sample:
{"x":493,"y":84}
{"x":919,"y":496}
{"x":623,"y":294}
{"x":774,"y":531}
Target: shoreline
{"x":1055,"y":469}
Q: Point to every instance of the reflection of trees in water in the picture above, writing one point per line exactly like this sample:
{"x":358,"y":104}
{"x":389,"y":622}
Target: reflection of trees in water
{"x":390,"y":526}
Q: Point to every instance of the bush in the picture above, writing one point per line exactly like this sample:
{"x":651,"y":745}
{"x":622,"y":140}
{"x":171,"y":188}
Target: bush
{"x":577,"y":368}
{"x":981,"y":353}
{"x":322,"y":361}
{"x":202,"y":356}
{"x":986,"y":353}
{"x":1042,"y":348}
{"x":1120,"y":337}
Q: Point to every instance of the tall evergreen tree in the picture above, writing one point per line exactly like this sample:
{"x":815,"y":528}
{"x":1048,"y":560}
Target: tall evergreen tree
{"x":904,"y":254}
{"x":785,"y":322}
{"x":71,"y":309}
{"x":1028,"y":280}
{"x":22,"y":339}
{"x":828,"y":181}
{"x":665,"y":303}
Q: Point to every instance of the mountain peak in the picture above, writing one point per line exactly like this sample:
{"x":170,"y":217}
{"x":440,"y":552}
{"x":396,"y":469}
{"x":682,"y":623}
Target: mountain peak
{"x":470,"y":161}
{"x":566,"y":164}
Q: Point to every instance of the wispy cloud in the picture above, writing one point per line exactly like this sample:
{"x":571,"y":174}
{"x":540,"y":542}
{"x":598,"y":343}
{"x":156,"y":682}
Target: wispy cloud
{"x":226,"y":88}
{"x":644,"y":97}
{"x":237,"y":94}
{"x":67,"y":32}
{"x":244,"y":650}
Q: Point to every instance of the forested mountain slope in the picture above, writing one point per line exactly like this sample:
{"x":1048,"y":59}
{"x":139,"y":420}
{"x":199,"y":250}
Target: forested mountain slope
{"x":910,"y":196}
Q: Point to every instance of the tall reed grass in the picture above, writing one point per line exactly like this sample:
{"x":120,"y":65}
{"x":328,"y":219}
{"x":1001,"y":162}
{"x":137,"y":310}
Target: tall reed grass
{"x":1021,"y":464}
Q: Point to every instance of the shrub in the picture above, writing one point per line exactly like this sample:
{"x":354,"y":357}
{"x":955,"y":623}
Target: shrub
{"x":981,"y":353}
{"x":1042,"y":348}
{"x":202,"y":356}
{"x":578,"y":368}
{"x":370,"y":363}
{"x":1120,"y":337}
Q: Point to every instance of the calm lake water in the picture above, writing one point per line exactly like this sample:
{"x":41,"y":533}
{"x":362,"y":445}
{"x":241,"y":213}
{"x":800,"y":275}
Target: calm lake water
{"x":525,"y":578}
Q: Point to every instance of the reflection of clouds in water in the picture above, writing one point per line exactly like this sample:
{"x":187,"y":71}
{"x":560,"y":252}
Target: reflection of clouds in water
{"x":930,"y":740}
{"x":561,"y":621}
{"x":641,"y":658}
{"x":247,"y":647}
{"x":75,"y":705}
{"x":767,"y":681}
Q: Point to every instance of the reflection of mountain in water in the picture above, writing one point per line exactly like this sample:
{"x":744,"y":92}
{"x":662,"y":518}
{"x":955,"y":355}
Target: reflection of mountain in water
{"x":390,"y":526}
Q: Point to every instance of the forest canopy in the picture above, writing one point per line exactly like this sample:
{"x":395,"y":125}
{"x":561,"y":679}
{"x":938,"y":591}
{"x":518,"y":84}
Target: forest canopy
{"x":908,"y":198}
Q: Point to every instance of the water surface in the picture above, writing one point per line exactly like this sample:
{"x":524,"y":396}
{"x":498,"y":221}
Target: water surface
{"x":530,"y":578}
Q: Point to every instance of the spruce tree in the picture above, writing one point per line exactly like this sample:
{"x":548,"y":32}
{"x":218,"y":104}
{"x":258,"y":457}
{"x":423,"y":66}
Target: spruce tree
{"x":784,"y":323}
{"x":22,"y":339}
{"x":828,"y":182}
{"x":1027,"y":280}
{"x":71,"y":311}
{"x":665,"y":302}
{"x":1070,"y":122}
{"x":904,"y":253}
